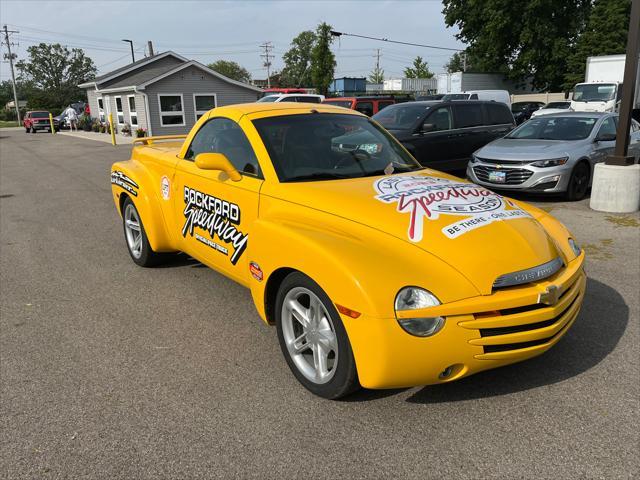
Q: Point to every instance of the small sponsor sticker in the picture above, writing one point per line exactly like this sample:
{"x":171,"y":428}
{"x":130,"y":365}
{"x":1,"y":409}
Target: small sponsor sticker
{"x":165,"y":188}
{"x":256,"y":271}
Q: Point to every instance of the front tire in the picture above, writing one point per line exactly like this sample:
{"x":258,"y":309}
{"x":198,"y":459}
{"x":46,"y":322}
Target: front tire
{"x":313,"y":339}
{"x":579,"y":182}
{"x":137,"y":243}
{"x":33,"y":129}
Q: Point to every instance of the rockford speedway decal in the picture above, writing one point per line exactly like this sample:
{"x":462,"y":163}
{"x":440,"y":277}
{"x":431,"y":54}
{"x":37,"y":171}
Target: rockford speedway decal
{"x":218,"y":218}
{"x":120,"y":179}
{"x":429,"y":197}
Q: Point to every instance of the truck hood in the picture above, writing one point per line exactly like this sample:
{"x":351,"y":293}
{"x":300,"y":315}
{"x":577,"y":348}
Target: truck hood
{"x":525,"y":150}
{"x":477,"y":232}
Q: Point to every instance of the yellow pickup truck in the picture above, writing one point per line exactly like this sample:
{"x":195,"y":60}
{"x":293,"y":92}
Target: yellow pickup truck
{"x":376,"y":272}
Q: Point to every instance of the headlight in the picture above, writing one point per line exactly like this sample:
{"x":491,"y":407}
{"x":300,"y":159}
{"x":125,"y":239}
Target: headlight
{"x":552,"y":162}
{"x":574,"y":246}
{"x":413,"y":298}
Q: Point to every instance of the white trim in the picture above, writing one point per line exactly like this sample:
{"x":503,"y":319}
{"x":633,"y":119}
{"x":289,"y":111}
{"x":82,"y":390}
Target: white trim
{"x":168,"y":114}
{"x":115,"y":100}
{"x":132,"y":68}
{"x":135,"y":111}
{"x":147,"y":114}
{"x":102,"y":116}
{"x":193,"y":63}
{"x":202,"y":112}
{"x":115,"y":90}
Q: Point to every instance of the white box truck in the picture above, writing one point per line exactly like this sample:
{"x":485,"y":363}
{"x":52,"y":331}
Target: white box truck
{"x":601,"y":90}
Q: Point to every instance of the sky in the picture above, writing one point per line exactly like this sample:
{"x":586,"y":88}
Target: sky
{"x":211,"y":30}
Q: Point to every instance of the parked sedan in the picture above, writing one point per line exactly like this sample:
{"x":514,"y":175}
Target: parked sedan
{"x":522,"y":111}
{"x":553,"y":107}
{"x":551,"y":154}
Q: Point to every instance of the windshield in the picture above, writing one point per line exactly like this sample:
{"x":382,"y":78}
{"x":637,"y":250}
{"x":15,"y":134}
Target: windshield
{"x":561,"y":105}
{"x":518,"y":107}
{"x":320,"y":146}
{"x":401,"y":116}
{"x":594,"y":92}
{"x":269,"y":98}
{"x":40,"y":115}
{"x":554,"y":128}
{"x":455,"y":96}
{"x":339,"y":103}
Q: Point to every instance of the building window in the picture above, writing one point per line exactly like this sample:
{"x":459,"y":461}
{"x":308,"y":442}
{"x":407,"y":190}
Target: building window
{"x":133,"y":114}
{"x":101,"y":115}
{"x":203,"y":102}
{"x":171,"y":110}
{"x":119,"y":111}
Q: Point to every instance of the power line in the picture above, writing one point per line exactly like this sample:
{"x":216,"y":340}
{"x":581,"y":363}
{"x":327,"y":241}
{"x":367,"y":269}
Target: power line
{"x":340,"y":34}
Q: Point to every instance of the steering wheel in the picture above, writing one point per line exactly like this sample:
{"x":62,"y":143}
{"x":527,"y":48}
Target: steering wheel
{"x":355,"y":154}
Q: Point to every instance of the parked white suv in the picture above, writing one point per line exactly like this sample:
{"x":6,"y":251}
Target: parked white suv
{"x":293,"y":97}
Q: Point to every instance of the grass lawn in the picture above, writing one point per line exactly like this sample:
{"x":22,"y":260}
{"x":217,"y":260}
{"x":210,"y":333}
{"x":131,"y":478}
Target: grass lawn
{"x":8,"y":123}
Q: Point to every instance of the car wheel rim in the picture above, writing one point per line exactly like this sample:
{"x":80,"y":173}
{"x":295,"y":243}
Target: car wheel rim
{"x":309,"y":335}
{"x":580,"y":181}
{"x":133,"y":230}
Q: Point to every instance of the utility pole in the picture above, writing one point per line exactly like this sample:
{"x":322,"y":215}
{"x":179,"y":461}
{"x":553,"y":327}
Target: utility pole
{"x":11,"y":56}
{"x":267,"y":46}
{"x":130,"y":42}
{"x":464,"y":61}
{"x":150,"y":48}
{"x":376,"y":71}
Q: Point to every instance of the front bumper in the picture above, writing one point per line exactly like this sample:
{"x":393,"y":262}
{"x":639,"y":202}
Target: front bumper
{"x":480,"y":333}
{"x":522,"y":177}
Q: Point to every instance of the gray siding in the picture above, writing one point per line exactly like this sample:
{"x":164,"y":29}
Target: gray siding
{"x":92,"y":100}
{"x":187,"y":82}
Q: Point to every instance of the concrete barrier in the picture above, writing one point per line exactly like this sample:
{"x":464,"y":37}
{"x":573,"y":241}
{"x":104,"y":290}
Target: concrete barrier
{"x":616,"y":189}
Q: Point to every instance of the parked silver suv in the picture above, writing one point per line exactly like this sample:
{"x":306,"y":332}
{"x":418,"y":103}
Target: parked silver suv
{"x":551,"y":153}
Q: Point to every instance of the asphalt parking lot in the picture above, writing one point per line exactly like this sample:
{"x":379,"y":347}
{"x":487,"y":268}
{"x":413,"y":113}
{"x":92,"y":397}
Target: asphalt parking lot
{"x":109,"y":370}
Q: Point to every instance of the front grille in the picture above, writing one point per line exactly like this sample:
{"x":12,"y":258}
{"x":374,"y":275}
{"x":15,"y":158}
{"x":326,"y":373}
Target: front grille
{"x":490,"y":332}
{"x":514,"y":176}
{"x":511,"y":329}
{"x":502,"y":162}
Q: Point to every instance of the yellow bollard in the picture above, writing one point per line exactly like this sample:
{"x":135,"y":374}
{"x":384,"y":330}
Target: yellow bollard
{"x":53,"y":130}
{"x":112,"y":130}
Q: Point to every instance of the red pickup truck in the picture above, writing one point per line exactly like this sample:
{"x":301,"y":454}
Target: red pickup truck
{"x":38,"y":120}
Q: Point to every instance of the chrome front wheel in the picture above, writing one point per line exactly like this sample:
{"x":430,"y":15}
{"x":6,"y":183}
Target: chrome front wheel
{"x":313,"y":338}
{"x":309,"y":335}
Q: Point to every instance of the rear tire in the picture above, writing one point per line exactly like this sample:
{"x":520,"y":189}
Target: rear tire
{"x":134,"y":234}
{"x":313,"y":339}
{"x":579,"y":182}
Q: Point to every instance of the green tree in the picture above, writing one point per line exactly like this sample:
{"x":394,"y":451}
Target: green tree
{"x":420,"y":69}
{"x":323,"y":61}
{"x":605,"y":33}
{"x":376,"y":75}
{"x":458,"y":63}
{"x":520,"y":38}
{"x":231,"y":69}
{"x":52,"y":73}
{"x":297,"y":60}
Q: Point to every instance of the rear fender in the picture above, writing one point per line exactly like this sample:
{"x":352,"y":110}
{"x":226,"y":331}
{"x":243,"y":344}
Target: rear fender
{"x":131,"y":179}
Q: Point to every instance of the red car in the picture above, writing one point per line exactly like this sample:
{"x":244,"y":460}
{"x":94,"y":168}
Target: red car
{"x":367,"y":105}
{"x":37,"y":120}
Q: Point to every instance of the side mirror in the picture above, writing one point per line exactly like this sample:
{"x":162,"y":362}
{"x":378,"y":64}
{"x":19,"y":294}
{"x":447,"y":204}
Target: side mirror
{"x":217,"y":161}
{"x":428,"y":127}
{"x":606,"y":137}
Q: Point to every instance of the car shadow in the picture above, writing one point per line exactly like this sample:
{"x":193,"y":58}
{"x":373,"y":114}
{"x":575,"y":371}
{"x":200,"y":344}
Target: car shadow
{"x":595,"y":334}
{"x":173,"y":260}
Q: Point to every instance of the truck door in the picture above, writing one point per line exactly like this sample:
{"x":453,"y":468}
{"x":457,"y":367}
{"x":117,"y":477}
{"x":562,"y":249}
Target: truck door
{"x":217,"y":213}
